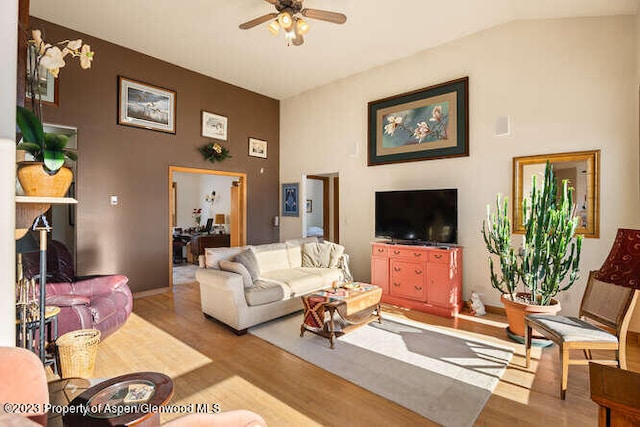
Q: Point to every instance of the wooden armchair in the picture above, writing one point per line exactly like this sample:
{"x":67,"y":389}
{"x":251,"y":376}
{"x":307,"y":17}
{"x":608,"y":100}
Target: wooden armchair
{"x":604,"y":304}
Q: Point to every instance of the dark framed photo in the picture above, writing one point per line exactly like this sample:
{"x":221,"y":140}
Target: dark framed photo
{"x":47,"y":86}
{"x":146,"y":106}
{"x":214,"y":126}
{"x":290,"y":199}
{"x":309,"y":206}
{"x":257,"y":148}
{"x":426,"y":124}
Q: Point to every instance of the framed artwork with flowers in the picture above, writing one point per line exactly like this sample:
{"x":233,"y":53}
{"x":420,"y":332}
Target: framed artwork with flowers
{"x":426,"y":124}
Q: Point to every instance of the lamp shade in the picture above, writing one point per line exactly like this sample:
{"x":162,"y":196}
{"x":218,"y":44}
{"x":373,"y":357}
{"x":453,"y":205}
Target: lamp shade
{"x":622,"y":266}
{"x":220,"y":219}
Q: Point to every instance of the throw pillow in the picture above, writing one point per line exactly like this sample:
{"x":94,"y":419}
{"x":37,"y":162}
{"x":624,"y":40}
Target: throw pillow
{"x":236,"y":267}
{"x":325,"y":254}
{"x":248,"y":259}
{"x":316,"y":255}
{"x":335,"y":253}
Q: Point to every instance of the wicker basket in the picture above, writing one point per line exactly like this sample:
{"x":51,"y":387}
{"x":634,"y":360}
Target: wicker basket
{"x":77,"y":352}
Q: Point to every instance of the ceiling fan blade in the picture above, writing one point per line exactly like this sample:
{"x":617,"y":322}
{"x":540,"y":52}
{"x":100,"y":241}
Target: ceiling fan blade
{"x":325,"y":15}
{"x":258,"y":21}
{"x":272,"y":1}
{"x":298,"y":40}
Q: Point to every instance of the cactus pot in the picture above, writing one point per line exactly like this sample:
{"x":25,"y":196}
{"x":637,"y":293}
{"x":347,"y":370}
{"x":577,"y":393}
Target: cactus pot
{"x":516,"y":310}
{"x":37,"y":181}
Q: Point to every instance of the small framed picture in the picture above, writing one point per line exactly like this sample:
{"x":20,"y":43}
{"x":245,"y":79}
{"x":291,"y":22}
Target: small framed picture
{"x":214,"y":126}
{"x":257,"y":148}
{"x":290,"y":199}
{"x":146,"y":106}
{"x":47,"y":85}
{"x":309,"y":206}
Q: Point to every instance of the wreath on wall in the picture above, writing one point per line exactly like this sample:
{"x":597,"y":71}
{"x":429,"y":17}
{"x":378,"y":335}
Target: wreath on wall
{"x":214,"y":152}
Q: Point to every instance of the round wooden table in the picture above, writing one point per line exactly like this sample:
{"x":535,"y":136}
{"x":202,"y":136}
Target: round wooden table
{"x":125,"y":400}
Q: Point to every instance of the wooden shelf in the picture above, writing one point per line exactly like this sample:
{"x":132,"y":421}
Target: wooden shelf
{"x":49,"y":200}
{"x":29,"y":207}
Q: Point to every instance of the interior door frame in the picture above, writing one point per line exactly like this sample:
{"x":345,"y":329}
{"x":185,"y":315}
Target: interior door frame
{"x":184,"y":169}
{"x":325,"y":203}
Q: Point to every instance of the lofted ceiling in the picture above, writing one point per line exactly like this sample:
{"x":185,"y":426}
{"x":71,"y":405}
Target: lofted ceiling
{"x":203,"y":35}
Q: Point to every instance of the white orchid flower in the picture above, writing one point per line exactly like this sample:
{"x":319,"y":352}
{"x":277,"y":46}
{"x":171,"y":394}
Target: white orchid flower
{"x":52,"y":60}
{"x":86,"y":56}
{"x":74,"y":44}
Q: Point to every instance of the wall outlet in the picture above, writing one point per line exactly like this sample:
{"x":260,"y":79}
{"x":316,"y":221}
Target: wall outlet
{"x":114,"y":200}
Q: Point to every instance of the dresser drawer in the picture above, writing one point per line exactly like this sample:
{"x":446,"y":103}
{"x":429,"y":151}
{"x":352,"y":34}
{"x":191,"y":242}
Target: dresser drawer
{"x":408,"y":289}
{"x":408,"y":253}
{"x":379,"y":250}
{"x":442,"y":257}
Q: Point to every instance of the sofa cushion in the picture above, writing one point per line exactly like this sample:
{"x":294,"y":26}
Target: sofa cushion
{"x":299,"y":282}
{"x":236,"y":267}
{"x":325,"y":254}
{"x":249,"y":261}
{"x":294,"y":250}
{"x":327,"y":275}
{"x":263,"y":292}
{"x":214,"y":255}
{"x":271,"y":257}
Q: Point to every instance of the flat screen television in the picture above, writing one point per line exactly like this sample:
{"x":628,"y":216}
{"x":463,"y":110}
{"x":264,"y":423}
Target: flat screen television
{"x":417,"y":216}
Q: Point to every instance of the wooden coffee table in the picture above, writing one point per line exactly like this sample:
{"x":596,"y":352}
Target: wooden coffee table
{"x":356,"y":305}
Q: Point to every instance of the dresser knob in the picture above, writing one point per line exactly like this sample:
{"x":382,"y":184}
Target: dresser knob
{"x":396,"y":252}
{"x":418,"y":271}
{"x":396,"y":269}
{"x":418,"y":288}
{"x":380,"y":250}
{"x":438,"y":256}
{"x":396,"y":284}
{"x":417,"y":254}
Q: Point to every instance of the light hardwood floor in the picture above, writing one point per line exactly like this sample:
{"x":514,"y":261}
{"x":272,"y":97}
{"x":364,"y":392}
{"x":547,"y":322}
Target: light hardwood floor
{"x":209,"y":364}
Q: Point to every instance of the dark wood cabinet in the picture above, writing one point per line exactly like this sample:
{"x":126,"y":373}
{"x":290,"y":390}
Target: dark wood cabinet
{"x":199,"y":242}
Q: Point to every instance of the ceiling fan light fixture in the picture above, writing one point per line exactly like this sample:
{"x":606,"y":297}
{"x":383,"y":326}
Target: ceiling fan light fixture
{"x":289,"y":36}
{"x":285,"y":20}
{"x":302,"y":27}
{"x":274,"y":27}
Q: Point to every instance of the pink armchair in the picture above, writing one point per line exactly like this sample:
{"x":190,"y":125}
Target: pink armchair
{"x":100,"y":302}
{"x":23,"y":381}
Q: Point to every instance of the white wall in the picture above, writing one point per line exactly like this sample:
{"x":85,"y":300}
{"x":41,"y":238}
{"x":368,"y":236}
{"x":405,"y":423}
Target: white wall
{"x":192,"y":188}
{"x":568,"y":85}
{"x":8,"y":35}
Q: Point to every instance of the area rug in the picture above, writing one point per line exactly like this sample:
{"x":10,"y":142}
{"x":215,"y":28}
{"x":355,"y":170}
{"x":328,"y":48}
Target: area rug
{"x":184,"y":274}
{"x":442,"y":375}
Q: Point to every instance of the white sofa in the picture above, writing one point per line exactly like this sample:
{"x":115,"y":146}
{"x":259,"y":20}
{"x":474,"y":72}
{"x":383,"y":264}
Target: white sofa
{"x":240,"y":298}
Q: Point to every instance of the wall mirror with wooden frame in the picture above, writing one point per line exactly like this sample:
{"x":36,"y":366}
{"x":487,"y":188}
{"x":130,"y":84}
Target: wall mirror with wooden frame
{"x":581,"y":169}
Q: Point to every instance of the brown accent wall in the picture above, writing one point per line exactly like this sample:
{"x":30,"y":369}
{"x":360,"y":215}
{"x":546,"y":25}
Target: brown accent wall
{"x":133,"y":163}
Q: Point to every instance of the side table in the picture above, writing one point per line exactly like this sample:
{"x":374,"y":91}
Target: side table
{"x":139,"y":390}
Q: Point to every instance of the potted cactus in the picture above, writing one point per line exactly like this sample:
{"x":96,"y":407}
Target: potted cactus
{"x":548,"y":261}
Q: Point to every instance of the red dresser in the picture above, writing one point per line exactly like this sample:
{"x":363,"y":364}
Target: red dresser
{"x":424,"y":278}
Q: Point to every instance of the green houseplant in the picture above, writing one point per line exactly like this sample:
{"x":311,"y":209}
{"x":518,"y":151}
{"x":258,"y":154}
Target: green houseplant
{"x":46,"y":175}
{"x":49,"y":148}
{"x":548,"y":261}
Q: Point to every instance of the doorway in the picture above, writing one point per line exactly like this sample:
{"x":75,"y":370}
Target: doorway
{"x":322,"y":207}
{"x":207,"y":208}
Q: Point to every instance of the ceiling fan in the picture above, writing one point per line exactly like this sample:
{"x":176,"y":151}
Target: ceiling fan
{"x":289,"y":18}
